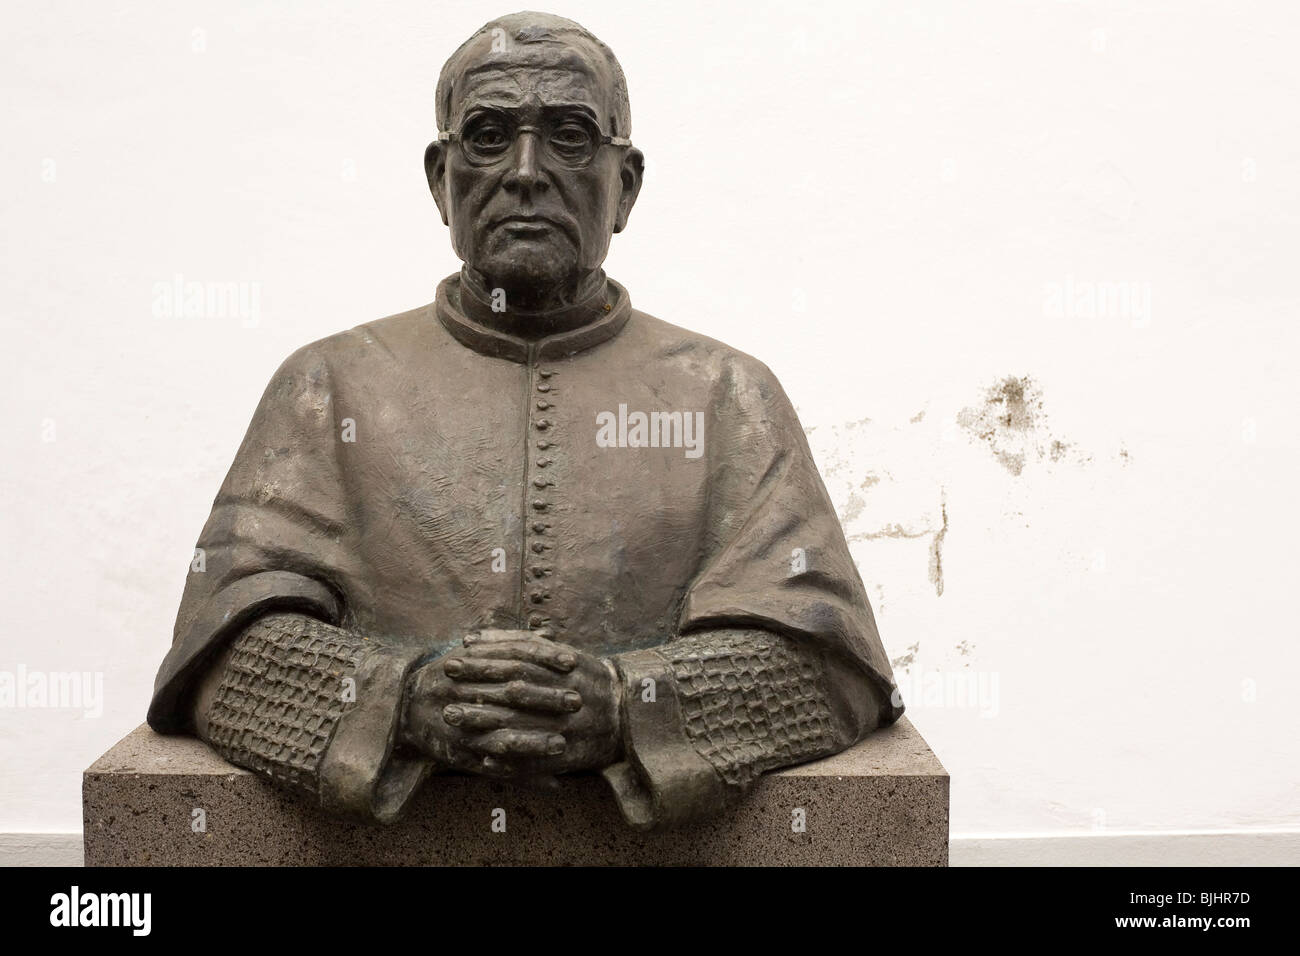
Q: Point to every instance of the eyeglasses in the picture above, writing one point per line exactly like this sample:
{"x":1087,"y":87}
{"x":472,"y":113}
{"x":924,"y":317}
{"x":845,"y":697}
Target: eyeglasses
{"x":571,"y":140}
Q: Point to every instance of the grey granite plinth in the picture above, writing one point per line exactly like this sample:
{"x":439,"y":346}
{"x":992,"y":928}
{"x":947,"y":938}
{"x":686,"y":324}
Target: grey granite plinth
{"x":883,"y":802}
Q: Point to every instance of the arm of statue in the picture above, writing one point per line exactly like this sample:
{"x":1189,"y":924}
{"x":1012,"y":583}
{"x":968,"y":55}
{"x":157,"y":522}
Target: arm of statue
{"x":706,"y":714}
{"x":317,"y":709}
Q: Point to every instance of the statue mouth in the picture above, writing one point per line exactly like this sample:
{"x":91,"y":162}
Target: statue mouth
{"x":525,"y":225}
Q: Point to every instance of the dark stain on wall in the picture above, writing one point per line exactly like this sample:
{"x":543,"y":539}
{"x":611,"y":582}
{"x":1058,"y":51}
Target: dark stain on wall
{"x":936,"y":547}
{"x":905,"y":660}
{"x":1011,"y":422}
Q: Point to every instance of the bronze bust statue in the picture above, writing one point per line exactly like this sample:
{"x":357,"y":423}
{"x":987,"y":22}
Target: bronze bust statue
{"x":525,"y":530}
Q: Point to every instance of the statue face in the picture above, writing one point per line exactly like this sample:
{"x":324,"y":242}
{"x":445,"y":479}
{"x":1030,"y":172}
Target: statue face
{"x":531,"y":197}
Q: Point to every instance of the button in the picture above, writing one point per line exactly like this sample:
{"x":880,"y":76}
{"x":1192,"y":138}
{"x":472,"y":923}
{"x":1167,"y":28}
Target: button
{"x":540,"y":572}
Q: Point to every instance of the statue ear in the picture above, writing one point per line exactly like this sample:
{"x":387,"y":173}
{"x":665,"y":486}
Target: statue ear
{"x":435,"y":163}
{"x":630,"y":176}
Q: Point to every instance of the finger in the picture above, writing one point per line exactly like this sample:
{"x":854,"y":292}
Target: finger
{"x":496,"y":634}
{"x":493,"y":670}
{"x":548,"y":654}
{"x":520,"y":771}
{"x":475,"y":718}
{"x":520,"y":695}
{"x":517,"y":743}
{"x":493,"y":767}
{"x":478,"y":717}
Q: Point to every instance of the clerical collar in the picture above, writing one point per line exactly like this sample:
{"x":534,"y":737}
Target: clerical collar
{"x":472,"y":321}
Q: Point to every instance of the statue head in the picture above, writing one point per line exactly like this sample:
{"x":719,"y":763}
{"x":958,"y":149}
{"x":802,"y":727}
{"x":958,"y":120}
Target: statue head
{"x":533,"y":170}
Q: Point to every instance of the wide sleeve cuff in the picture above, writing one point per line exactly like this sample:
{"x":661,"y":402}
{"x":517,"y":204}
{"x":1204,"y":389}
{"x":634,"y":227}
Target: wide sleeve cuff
{"x":662,"y":779}
{"x":360,"y":774}
{"x":317,"y":709}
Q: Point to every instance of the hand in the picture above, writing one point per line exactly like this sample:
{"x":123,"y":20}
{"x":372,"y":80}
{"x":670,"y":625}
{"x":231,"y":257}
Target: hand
{"x":513,"y":704}
{"x":430,"y":691}
{"x":526,"y":664}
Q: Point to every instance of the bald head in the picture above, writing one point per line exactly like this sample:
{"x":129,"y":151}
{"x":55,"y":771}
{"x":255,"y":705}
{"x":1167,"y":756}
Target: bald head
{"x":548,"y":48}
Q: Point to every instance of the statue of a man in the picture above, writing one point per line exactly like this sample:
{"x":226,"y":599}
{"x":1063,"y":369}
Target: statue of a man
{"x":525,"y":530}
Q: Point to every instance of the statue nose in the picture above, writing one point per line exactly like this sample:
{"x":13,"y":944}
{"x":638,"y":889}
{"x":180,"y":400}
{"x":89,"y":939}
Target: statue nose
{"x":524,"y":171}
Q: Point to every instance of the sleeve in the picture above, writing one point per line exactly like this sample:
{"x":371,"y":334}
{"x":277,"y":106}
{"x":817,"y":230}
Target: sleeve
{"x":705,"y":715}
{"x":776,"y":658}
{"x":316,"y":710}
{"x":278,"y":538}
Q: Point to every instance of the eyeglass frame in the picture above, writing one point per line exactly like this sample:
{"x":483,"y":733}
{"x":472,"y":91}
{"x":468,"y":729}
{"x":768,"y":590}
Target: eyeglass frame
{"x":605,"y":139}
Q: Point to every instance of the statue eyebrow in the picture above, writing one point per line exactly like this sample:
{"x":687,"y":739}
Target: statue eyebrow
{"x":549,"y":110}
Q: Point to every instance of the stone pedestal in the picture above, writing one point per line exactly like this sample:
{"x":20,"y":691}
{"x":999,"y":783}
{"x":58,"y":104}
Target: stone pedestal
{"x":883,"y":802}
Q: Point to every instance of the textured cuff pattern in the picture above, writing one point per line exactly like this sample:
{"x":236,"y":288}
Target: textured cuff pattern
{"x":727,"y":705}
{"x":281,"y":697}
{"x":316,"y":709}
{"x":751,"y":701}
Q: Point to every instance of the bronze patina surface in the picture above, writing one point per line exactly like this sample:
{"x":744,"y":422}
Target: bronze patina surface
{"x":526,"y":529}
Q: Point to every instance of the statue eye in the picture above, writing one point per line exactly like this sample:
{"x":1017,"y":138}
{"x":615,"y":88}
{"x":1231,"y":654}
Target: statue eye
{"x":488,"y":138}
{"x":571,"y":138}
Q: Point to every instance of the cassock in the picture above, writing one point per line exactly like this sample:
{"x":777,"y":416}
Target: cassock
{"x":634,"y":489}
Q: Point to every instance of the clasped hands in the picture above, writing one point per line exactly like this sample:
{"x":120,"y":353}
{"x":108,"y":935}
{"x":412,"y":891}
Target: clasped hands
{"x":514,"y":704}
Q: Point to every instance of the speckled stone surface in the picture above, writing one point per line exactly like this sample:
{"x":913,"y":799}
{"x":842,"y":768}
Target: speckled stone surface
{"x":883,"y":802}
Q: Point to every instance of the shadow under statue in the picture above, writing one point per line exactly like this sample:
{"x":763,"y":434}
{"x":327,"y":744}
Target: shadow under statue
{"x":525,"y":530}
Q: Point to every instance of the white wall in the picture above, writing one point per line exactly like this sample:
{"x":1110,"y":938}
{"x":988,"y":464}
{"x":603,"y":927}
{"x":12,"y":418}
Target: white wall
{"x":883,"y":201}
